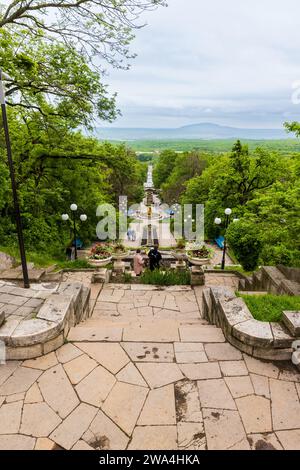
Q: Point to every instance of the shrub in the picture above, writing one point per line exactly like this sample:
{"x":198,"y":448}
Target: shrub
{"x":244,"y":241}
{"x":166,"y":278}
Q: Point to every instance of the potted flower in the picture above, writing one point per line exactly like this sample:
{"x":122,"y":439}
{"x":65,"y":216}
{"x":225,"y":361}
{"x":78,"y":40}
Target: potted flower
{"x":199,"y":255}
{"x":179,"y":253}
{"x":100,"y":255}
{"x":119,"y":251}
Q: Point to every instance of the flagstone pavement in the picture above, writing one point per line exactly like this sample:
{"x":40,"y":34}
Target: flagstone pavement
{"x":147,"y":372}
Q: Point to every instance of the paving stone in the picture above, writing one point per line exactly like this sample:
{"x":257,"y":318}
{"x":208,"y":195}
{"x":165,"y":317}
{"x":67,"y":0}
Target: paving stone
{"x":290,"y":374}
{"x":38,"y":420}
{"x":124,"y":405}
{"x":105,"y":333}
{"x":131,"y":375}
{"x":187,"y":402}
{"x":105,"y":306}
{"x":33,"y":395}
{"x":16,"y":442}
{"x":209,"y":370}
{"x":233,"y":368}
{"x":160,"y":374}
{"x":191,"y":436}
{"x":103,"y":434}
{"x":224,"y":430}
{"x":215,"y":394}
{"x":73,"y":427}
{"x":43,"y":443}
{"x":16,"y":397}
{"x":81,"y":445}
{"x":157,"y":300}
{"x":159,"y":408}
{"x":255,"y":413}
{"x":43,"y":362}
{"x":290,"y":440}
{"x":94,"y":388}
{"x":264,"y":442}
{"x":6,"y":370}
{"x":67,"y":353}
{"x":109,"y":355}
{"x":260,"y":385}
{"x":149,"y":352}
{"x":190,"y":357}
{"x":222,"y":352}
{"x":58,"y":391}
{"x":154,"y":438}
{"x":201,"y":334}
{"x":161,"y":331}
{"x":79,"y":368}
{"x":256,"y":366}
{"x":20,"y":381}
{"x":10,"y":418}
{"x":239,"y":386}
{"x":285,"y":405}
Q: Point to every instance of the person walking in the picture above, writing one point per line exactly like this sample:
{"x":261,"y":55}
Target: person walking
{"x":154,"y":258}
{"x":138,"y":263}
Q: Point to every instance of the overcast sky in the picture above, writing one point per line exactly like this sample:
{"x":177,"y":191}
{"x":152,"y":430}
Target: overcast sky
{"x":228,"y":62}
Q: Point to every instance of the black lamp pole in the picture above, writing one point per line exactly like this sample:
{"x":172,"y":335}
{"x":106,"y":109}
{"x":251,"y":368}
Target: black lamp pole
{"x":225,"y":242}
{"x":13,"y":182}
{"x":74,"y":228}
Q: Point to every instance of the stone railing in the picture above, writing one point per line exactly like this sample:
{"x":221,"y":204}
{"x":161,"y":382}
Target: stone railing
{"x":264,"y":340}
{"x":48,"y":330}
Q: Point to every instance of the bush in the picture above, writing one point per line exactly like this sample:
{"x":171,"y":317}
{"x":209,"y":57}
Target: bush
{"x":245,"y":243}
{"x":166,"y":278}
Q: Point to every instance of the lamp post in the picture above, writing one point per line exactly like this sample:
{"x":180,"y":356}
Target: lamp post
{"x":66,"y":217}
{"x":4,"y":76}
{"x":218,"y":221}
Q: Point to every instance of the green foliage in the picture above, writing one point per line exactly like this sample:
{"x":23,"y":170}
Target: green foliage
{"x":74,"y":265}
{"x":166,"y":277}
{"x":164,"y":167}
{"x":269,"y":308}
{"x":245,"y":243}
{"x":185,"y":167}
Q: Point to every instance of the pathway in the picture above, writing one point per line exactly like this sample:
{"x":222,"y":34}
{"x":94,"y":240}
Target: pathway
{"x":147,"y":372}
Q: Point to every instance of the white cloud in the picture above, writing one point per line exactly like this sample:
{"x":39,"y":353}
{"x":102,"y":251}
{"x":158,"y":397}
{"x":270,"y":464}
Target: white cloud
{"x":230,"y":62}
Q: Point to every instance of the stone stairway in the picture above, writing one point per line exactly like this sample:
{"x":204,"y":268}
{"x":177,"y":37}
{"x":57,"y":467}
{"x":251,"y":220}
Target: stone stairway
{"x":273,"y":279}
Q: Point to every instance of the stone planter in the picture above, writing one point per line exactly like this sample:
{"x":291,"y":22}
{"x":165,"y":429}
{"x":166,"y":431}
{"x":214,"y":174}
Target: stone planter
{"x":198,"y":261}
{"x":99,"y":263}
{"x":119,"y":265}
{"x":180,"y":257}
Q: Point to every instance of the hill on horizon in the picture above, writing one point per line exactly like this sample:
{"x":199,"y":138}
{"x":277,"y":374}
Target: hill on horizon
{"x":202,"y":131}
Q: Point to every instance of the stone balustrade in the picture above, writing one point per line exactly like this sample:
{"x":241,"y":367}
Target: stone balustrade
{"x":264,"y":340}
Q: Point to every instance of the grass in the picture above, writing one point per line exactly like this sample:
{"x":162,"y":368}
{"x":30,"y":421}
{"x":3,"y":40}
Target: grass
{"x":237,"y":269}
{"x":43,"y":259}
{"x":216,"y":146}
{"x":166,"y":278}
{"x":269,"y":308}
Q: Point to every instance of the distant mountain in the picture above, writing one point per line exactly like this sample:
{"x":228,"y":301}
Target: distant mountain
{"x":203,"y":131}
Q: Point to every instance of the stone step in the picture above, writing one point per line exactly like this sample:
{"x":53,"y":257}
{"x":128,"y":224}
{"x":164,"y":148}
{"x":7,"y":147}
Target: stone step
{"x":35,"y":275}
{"x":289,"y":287}
{"x":292,"y":322}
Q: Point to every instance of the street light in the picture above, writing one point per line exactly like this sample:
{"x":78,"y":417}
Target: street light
{"x":4,"y":76}
{"x":218,"y":221}
{"x":83,"y":218}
